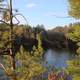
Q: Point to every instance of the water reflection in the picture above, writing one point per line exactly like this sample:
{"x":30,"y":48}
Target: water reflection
{"x":57,"y":58}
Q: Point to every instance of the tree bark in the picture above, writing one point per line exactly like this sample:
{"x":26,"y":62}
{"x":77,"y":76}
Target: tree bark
{"x":12,"y":54}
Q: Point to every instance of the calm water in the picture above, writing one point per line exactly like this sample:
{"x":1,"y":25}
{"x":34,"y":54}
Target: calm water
{"x":51,"y":58}
{"x":57,"y":58}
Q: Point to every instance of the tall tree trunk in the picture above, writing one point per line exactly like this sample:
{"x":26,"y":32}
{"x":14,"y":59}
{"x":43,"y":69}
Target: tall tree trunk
{"x":12,"y":54}
{"x":12,"y":59}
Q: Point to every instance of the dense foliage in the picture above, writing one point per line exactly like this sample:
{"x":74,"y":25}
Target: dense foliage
{"x":74,"y":65}
{"x":74,"y":35}
{"x":74,"y":8}
{"x":28,"y":64}
{"x":21,"y":45}
{"x":30,"y":61}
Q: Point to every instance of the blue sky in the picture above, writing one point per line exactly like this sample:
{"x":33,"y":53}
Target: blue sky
{"x":43,"y":12}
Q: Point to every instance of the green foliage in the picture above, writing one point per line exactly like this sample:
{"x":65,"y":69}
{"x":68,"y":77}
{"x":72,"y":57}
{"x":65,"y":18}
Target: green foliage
{"x":5,"y":42}
{"x":39,"y":49}
{"x":4,"y":39}
{"x":74,"y":8}
{"x":74,"y":32}
{"x":74,"y":65}
{"x":74,"y":35}
{"x":74,"y":68}
{"x":39,"y":28}
{"x":30,"y":63}
{"x":30,"y":66}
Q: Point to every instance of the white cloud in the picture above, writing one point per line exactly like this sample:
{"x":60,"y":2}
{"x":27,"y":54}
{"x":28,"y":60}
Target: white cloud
{"x":30,"y":5}
{"x":57,"y":14}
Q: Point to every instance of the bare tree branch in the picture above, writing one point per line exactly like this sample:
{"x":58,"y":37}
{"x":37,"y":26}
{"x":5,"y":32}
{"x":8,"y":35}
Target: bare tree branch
{"x":4,"y":22}
{"x":17,"y":20}
{"x":3,"y":67}
{"x":22,"y":16}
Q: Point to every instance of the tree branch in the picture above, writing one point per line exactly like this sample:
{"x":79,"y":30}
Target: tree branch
{"x":4,"y":51}
{"x":4,"y":22}
{"x":17,"y":20}
{"x":3,"y":67}
{"x":22,"y":16}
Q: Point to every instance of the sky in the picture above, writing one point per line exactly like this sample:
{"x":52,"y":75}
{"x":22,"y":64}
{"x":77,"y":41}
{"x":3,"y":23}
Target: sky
{"x":50,"y":13}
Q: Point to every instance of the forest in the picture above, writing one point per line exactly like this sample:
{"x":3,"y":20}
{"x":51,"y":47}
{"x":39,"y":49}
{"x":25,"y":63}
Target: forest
{"x":23,"y":46}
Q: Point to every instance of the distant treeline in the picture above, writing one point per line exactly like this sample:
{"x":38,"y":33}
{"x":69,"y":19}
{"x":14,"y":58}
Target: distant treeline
{"x":25,"y":35}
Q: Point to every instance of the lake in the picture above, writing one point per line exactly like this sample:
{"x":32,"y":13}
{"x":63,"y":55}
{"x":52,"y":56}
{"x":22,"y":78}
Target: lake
{"x":52,"y":58}
{"x":57,"y":58}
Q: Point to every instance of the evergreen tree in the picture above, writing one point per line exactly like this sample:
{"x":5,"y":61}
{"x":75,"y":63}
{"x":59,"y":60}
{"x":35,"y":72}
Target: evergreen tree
{"x":74,"y":8}
{"x":30,"y":61}
{"x":74,"y":35}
